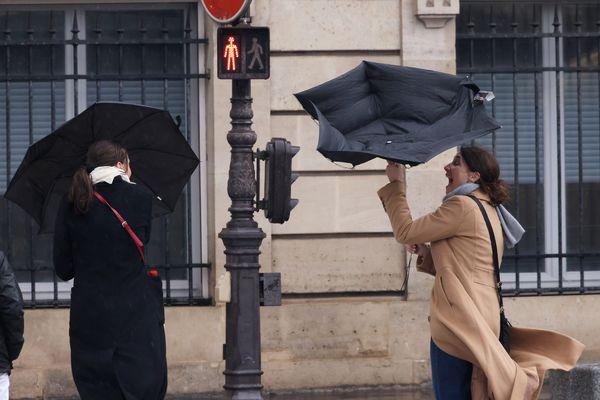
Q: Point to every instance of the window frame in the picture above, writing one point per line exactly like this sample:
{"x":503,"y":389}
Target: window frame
{"x":553,"y":277}
{"x":56,"y":293}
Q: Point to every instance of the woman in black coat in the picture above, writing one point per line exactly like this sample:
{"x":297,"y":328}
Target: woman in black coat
{"x":117,"y":317}
{"x":12,"y":322}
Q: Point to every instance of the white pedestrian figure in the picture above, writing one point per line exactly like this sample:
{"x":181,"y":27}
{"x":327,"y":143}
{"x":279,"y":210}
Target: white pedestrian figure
{"x":256,"y":51}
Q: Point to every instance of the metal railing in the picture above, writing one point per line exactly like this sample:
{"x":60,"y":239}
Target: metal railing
{"x":541,"y":60}
{"x":54,"y":62}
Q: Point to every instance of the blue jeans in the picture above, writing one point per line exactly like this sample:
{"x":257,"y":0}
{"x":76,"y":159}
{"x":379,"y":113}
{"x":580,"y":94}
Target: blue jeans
{"x":451,"y":376}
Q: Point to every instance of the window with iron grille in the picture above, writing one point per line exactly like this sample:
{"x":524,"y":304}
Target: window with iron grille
{"x":541,"y":59}
{"x":56,"y":61}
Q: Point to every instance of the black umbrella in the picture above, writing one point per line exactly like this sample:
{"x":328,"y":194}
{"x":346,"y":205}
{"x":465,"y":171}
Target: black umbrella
{"x":161,"y":158}
{"x":403,"y":114}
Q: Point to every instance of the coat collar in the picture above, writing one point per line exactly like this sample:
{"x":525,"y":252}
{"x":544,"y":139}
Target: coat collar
{"x":481,"y":195}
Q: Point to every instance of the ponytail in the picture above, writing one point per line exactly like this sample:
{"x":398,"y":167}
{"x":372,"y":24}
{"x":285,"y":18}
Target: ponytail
{"x":481,"y":160}
{"x":498,"y":190}
{"x":101,"y":153}
{"x":81,"y":191}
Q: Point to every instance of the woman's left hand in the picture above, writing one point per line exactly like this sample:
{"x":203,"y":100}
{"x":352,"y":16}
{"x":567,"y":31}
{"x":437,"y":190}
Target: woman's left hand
{"x":420,"y":249}
{"x":396,"y":172}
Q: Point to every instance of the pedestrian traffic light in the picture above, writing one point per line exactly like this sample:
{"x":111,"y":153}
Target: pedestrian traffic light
{"x":279,"y":178}
{"x":243,"y":52}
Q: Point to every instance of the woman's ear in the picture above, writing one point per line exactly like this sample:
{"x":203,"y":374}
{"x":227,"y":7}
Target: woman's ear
{"x":474,"y":176}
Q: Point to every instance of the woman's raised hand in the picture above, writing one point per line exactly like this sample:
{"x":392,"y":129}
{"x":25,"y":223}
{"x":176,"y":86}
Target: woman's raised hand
{"x":396,"y":172}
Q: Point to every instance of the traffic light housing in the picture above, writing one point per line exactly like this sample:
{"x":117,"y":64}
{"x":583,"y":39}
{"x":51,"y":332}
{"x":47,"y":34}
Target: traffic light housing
{"x":279,"y":178}
{"x":243,"y":52}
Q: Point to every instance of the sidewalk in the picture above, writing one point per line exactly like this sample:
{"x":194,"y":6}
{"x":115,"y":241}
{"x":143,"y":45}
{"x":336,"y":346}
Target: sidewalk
{"x":402,"y":393}
{"x":372,"y":393}
{"x":409,"y":393}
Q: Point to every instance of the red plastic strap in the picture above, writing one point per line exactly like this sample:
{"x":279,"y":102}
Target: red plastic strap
{"x":125,"y":225}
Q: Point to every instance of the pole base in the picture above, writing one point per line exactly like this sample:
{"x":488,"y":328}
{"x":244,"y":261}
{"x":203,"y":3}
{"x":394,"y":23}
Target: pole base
{"x":244,"y":395}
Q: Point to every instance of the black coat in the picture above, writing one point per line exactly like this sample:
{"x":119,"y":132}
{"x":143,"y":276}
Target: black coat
{"x":11,"y":316}
{"x":116,"y":323}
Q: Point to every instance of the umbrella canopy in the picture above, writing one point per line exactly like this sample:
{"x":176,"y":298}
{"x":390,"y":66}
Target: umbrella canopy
{"x":160,"y":156}
{"x":403,"y":114}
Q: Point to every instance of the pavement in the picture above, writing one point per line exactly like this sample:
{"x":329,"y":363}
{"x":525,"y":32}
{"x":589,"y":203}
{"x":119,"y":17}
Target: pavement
{"x":423,"y":392}
{"x":408,"y":393}
{"x":373,"y":393}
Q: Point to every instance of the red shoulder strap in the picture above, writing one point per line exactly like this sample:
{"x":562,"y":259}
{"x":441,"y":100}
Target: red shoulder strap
{"x":125,"y":225}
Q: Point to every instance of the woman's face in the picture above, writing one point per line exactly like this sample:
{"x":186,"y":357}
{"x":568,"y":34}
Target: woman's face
{"x":458,"y":173}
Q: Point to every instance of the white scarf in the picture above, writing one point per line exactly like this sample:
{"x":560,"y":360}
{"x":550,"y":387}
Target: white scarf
{"x":513,"y":231}
{"x":107,"y":174}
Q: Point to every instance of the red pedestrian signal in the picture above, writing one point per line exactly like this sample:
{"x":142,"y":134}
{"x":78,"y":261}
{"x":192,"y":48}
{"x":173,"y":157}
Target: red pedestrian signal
{"x":243,"y":53}
{"x":232,"y":53}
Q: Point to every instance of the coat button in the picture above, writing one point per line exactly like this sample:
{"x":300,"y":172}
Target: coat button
{"x":429,"y":318}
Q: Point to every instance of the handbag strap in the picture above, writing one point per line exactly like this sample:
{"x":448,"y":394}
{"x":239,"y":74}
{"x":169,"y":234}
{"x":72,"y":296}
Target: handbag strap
{"x":138,"y":243}
{"x":494,"y":250}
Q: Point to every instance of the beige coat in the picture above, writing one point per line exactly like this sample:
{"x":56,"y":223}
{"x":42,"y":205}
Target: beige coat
{"x":464,"y":305}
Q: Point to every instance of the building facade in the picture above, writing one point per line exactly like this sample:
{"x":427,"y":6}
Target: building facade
{"x":351,"y":315}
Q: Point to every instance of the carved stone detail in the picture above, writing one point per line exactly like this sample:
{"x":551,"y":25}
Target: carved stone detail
{"x":436,"y":13}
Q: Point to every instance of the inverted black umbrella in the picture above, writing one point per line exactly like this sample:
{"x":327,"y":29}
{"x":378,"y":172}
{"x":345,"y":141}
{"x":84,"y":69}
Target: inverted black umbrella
{"x":160,"y":156}
{"x":403,"y":114}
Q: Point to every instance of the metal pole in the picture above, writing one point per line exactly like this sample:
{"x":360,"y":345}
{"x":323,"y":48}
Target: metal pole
{"x":242,"y":238}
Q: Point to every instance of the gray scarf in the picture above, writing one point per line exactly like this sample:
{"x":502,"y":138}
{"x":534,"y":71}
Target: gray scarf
{"x":513,"y":231}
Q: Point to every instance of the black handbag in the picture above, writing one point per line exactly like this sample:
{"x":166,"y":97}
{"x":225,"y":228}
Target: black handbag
{"x":504,"y":324}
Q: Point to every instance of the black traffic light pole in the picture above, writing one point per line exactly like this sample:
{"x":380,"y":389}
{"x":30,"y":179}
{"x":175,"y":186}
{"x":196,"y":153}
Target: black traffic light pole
{"x":242,"y":238}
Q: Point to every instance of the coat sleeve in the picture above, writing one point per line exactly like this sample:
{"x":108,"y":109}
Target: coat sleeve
{"x":63,"y":255}
{"x":144,"y":199}
{"x":11,"y":310}
{"x":443,"y":223}
{"x":148,"y":219}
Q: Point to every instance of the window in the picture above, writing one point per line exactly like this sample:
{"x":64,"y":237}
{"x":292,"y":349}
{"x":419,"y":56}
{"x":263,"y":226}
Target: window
{"x":54,"y":63}
{"x":541,"y":61}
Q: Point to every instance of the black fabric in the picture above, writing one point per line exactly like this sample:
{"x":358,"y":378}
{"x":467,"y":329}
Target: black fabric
{"x":161,"y":158}
{"x":504,"y":336}
{"x":402,"y":114}
{"x":11,"y":316}
{"x":117,"y":316}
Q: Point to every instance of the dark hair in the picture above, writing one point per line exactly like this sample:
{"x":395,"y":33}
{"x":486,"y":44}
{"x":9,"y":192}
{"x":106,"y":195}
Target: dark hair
{"x":481,"y":160}
{"x":100,"y":154}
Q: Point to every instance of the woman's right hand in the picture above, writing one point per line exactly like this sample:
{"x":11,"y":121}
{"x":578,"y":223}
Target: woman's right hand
{"x":395,"y":172}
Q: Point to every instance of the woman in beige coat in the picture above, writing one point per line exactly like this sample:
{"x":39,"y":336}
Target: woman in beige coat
{"x":465,"y":322}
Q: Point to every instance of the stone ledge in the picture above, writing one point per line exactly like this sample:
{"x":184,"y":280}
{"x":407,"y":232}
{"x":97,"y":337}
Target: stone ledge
{"x":581,"y":383}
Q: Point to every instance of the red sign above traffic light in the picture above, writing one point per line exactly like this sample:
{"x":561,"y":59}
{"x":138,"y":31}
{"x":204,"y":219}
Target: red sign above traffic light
{"x":225,"y":11}
{"x":243,"y":53}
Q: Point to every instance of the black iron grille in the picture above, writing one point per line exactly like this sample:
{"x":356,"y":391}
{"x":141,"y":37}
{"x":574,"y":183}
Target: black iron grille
{"x":541,"y":59}
{"x":54,"y":62}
